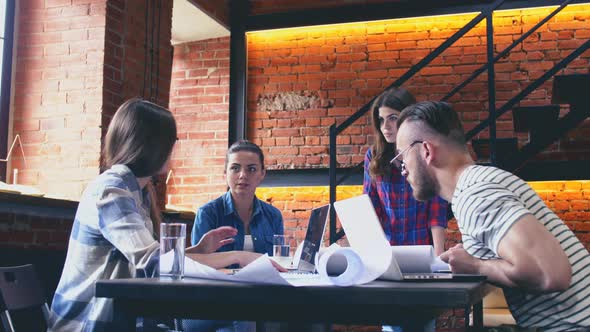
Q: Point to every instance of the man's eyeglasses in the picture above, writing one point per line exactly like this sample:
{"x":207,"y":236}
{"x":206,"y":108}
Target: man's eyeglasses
{"x":398,"y":161}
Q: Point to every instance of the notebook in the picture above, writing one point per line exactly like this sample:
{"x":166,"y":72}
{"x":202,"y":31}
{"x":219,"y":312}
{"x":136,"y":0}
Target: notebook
{"x":365,"y":235}
{"x":305,"y":256}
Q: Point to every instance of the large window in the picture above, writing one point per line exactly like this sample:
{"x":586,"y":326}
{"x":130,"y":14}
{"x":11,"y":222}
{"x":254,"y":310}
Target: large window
{"x":6,"y":43}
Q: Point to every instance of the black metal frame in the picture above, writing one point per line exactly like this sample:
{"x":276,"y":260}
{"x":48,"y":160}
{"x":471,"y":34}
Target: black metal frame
{"x":372,"y":12}
{"x":311,"y":177}
{"x":238,"y":71}
{"x":7,"y":82}
{"x":491,"y":85}
{"x":530,"y":88}
{"x":505,"y":52}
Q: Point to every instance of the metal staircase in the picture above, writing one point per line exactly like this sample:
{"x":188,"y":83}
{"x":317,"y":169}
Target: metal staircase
{"x":542,"y":123}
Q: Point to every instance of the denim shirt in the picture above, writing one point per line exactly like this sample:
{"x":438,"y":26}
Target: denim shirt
{"x":266,"y":221}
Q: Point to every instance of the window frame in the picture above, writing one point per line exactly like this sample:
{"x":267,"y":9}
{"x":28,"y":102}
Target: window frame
{"x":5,"y":91}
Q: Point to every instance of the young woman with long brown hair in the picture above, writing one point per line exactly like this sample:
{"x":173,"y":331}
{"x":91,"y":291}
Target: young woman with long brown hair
{"x":114,"y":231}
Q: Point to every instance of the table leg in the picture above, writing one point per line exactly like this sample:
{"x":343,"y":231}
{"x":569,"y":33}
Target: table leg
{"x":477,"y":316}
{"x":123,"y":316}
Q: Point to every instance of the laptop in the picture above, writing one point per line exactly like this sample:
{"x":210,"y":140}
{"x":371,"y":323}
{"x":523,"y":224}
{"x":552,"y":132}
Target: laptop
{"x":305,"y":256}
{"x":365,"y":235}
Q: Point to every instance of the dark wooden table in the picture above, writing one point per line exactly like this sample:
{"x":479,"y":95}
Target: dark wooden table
{"x":407,"y":304}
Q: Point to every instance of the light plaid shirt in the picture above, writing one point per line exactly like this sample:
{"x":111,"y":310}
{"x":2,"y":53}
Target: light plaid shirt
{"x":112,"y":237}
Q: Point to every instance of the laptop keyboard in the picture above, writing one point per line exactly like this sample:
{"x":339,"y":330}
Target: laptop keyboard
{"x":299,"y":275}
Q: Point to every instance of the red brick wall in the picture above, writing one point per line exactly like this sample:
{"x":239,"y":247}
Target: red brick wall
{"x":76,"y":63}
{"x":31,"y":232}
{"x":138,"y":53}
{"x":57,"y":93}
{"x":199,"y":99}
{"x":336,"y":70}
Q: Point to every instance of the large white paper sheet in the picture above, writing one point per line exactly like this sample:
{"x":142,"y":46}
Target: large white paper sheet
{"x":260,"y":271}
{"x":365,"y":235}
{"x":336,"y":266}
{"x":418,"y":259}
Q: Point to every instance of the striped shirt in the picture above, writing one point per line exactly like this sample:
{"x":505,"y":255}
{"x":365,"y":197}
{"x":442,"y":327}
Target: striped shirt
{"x":404,"y":220}
{"x":112,"y":237}
{"x":487,"y":202}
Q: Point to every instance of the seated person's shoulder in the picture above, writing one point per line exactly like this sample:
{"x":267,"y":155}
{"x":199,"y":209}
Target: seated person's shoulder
{"x":214,"y":204}
{"x":113,"y":180}
{"x":268,"y":207}
{"x":211,"y":211}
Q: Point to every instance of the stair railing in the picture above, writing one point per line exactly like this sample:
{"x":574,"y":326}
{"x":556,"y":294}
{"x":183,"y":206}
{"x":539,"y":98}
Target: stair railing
{"x":530,"y":88}
{"x":335,"y":130}
{"x":505,"y":52}
{"x":489,"y":66}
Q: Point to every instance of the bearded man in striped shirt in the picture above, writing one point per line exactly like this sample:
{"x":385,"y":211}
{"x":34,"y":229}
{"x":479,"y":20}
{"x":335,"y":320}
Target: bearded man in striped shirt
{"x":508,"y":232}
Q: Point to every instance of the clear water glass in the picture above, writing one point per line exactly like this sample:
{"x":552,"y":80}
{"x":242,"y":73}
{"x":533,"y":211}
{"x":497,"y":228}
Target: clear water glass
{"x":172,"y":245}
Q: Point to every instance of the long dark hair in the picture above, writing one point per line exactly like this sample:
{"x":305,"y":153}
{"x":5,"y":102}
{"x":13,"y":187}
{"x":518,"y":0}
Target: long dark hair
{"x":396,"y":98}
{"x":141,"y":136}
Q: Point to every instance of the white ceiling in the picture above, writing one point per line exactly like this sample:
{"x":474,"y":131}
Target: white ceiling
{"x":189,"y":24}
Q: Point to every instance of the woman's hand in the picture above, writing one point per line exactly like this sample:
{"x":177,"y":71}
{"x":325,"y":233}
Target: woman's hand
{"x":213,"y":240}
{"x":278,"y":266}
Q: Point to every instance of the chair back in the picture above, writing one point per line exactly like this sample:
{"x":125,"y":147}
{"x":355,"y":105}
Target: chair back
{"x":21,"y":291}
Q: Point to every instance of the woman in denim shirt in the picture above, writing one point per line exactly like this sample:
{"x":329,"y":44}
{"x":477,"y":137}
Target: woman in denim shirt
{"x":239,"y":207}
{"x":256,"y":221}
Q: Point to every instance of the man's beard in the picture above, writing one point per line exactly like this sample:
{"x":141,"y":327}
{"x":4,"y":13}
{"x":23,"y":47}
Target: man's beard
{"x":425,"y":186}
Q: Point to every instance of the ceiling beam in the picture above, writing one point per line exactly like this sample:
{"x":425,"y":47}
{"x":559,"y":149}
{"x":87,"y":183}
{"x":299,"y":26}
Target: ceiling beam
{"x":372,"y":12}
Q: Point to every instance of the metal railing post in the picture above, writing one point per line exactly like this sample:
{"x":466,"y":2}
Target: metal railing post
{"x":332,"y":174}
{"x":491,"y":87}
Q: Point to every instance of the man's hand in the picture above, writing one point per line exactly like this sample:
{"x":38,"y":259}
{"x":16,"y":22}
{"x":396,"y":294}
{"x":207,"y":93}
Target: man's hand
{"x":460,"y":261}
{"x":213,"y":240}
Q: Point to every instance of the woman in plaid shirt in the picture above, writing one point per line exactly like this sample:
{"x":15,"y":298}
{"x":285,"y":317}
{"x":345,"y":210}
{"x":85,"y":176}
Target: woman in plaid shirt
{"x":405,"y":220}
{"x":113,"y":232}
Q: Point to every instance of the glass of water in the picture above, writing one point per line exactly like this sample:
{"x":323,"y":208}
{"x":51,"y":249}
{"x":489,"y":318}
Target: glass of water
{"x":172,"y":243}
{"x":281,"y":250}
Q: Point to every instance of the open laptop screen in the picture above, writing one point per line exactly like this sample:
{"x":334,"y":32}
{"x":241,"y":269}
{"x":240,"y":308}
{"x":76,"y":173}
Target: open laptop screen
{"x":313,"y":238}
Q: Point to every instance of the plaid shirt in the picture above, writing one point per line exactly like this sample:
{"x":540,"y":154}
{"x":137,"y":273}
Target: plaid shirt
{"x":112,"y":237}
{"x":405,"y":220}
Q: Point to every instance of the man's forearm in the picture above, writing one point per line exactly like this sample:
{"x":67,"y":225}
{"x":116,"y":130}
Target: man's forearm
{"x":495,"y":269}
{"x":499,"y":271}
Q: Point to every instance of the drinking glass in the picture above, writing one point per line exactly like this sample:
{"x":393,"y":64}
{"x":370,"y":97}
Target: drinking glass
{"x":172,"y":243}
{"x":281,"y":250}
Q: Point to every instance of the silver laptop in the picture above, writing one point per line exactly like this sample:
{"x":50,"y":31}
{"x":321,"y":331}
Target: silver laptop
{"x":305,"y":257}
{"x":365,"y":235}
